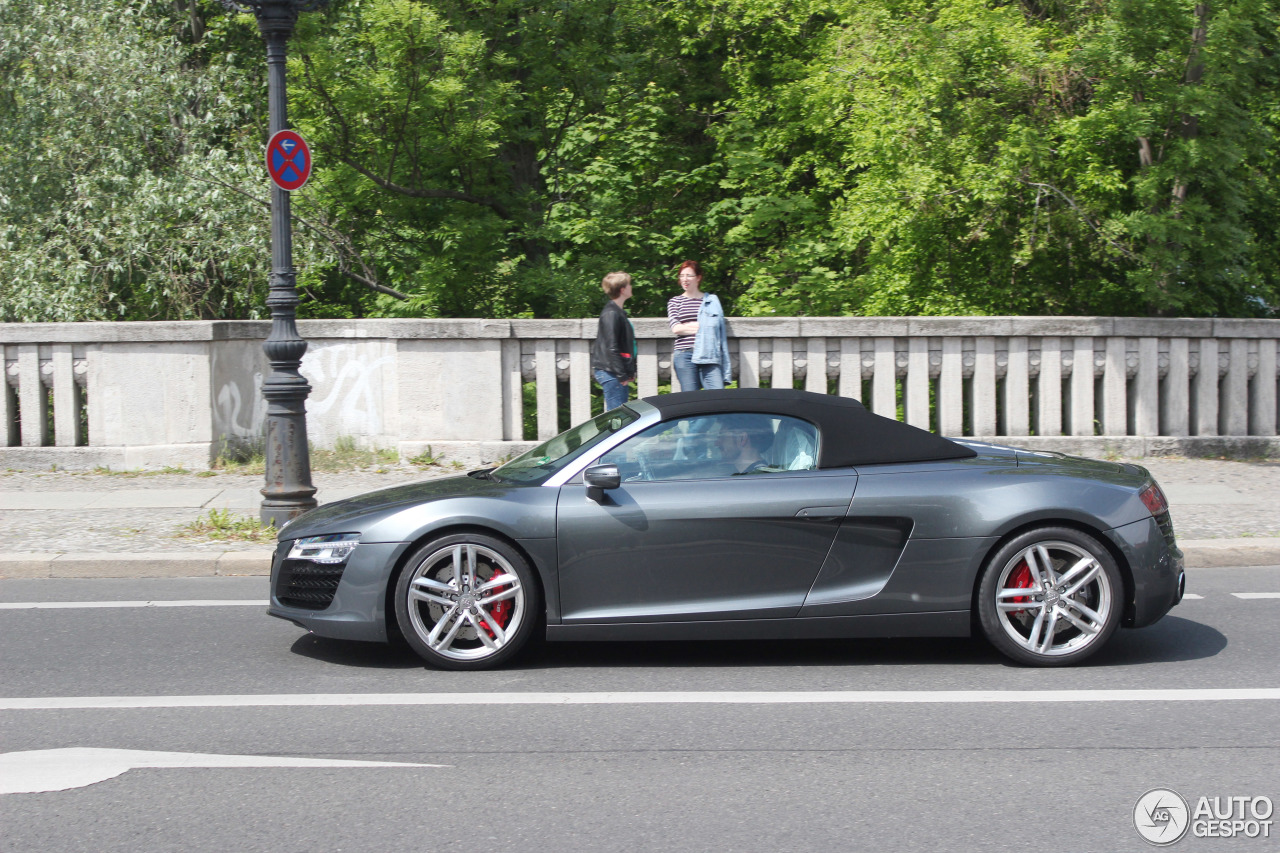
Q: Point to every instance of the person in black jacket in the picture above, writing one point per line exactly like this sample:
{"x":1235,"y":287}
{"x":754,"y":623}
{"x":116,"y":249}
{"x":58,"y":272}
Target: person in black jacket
{"x":613,"y":355}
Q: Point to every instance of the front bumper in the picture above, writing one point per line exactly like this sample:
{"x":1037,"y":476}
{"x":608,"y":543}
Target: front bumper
{"x":358,"y":608}
{"x":1156,"y":564}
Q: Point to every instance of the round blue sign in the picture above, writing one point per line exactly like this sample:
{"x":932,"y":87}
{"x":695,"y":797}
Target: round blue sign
{"x":288,"y":160}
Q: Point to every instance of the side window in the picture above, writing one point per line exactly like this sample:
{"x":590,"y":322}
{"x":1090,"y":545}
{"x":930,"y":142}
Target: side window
{"x":717,"y":446}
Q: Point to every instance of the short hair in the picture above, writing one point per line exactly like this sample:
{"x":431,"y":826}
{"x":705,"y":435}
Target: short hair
{"x":613,"y":284}
{"x":691,"y":265}
{"x":757,"y":428}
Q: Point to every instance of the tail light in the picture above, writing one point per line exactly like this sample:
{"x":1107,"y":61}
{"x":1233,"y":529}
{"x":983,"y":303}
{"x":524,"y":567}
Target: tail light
{"x":1154,"y":499}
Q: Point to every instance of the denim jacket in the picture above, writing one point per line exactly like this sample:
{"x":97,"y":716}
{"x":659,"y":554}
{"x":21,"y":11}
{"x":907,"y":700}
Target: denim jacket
{"x":711,"y":345}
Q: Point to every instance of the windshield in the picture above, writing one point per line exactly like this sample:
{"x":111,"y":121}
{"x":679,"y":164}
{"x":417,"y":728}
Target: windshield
{"x":536,"y":466}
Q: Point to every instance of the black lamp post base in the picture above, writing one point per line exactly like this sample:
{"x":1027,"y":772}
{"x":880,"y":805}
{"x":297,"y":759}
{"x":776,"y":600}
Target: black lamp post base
{"x":279,"y":511}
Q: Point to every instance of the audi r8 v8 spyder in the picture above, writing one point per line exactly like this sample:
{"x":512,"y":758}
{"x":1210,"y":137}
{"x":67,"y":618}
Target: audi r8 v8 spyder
{"x":758,"y":513}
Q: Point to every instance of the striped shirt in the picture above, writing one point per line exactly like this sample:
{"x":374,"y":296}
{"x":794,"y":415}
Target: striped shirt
{"x":682,"y":309}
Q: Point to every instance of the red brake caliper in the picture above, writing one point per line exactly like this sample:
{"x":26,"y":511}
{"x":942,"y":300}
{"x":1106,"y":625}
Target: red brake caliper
{"x":1020,"y":579}
{"x":501,"y":612}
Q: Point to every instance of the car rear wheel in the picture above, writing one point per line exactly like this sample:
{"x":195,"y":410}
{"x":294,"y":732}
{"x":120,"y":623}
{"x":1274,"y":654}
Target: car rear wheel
{"x":467,"y":601}
{"x":1051,"y":597}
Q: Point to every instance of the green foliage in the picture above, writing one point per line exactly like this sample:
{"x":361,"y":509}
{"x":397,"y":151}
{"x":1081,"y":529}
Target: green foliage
{"x":960,"y":156}
{"x":497,"y":158}
{"x":426,"y":459}
{"x":222,"y":525}
{"x":346,"y":455}
{"x":109,"y":196}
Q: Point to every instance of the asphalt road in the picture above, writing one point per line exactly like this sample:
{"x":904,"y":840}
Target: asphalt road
{"x":751,"y":746}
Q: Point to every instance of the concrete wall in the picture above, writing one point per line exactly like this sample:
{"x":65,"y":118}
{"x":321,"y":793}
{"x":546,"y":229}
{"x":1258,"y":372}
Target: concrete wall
{"x":156,"y":394}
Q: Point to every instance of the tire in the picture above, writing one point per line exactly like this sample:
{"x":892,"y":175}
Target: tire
{"x":1058,"y":624}
{"x":467,"y":602}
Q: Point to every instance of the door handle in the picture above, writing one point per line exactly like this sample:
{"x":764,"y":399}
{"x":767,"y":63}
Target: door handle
{"x":822,"y":513}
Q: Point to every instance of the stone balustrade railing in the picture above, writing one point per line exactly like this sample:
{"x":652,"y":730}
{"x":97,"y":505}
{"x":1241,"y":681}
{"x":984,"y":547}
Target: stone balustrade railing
{"x":152,"y":394}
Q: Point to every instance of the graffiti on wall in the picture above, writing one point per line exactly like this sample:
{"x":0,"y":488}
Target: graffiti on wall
{"x":347,"y":383}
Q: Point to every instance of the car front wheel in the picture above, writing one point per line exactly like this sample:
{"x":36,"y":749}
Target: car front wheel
{"x":1050,"y":597}
{"x":467,"y":601}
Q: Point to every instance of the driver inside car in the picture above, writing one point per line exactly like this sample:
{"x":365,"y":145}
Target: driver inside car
{"x":742,"y":445}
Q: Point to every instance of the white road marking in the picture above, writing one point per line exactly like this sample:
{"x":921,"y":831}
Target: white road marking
{"x":1250,"y":595}
{"x":1191,"y":596}
{"x":72,"y":605}
{"x":42,"y":770}
{"x":838,"y":697}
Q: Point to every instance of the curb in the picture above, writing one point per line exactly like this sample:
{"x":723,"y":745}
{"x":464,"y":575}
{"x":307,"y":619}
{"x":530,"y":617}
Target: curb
{"x":1221,"y":553}
{"x":179,"y":564}
{"x":1199,"y":554}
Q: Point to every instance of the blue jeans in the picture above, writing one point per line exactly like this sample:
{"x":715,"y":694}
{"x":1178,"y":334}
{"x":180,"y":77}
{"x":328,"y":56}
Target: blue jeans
{"x":695,"y":377}
{"x":615,"y":393}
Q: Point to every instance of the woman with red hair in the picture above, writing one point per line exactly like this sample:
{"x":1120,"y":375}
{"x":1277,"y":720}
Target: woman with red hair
{"x":701,"y":356}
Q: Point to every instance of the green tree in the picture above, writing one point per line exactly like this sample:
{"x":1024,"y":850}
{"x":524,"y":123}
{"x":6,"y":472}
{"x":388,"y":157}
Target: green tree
{"x":497,"y":158}
{"x":122,"y":167}
{"x":500,"y":157}
{"x":963,"y":156}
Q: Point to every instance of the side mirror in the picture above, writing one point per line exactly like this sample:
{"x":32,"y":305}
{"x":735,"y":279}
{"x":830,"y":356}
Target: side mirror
{"x":602,"y":477}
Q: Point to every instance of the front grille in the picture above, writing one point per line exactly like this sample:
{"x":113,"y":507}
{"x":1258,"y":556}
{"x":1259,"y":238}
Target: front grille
{"x":308,"y":585}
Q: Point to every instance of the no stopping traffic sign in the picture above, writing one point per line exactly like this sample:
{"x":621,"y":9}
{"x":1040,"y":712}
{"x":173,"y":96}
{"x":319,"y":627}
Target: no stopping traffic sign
{"x":288,"y":160}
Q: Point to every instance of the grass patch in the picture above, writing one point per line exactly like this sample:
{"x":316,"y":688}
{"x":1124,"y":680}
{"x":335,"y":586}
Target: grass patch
{"x":223,"y":525}
{"x":106,"y":471}
{"x":343,"y":456}
{"x":346,"y":456}
{"x":426,"y":459}
{"x":253,"y":465}
{"x":241,"y":457}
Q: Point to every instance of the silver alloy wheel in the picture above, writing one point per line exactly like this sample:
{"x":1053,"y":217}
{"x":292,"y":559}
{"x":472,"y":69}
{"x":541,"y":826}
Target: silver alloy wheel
{"x":465,"y":601}
{"x":1054,"y":598}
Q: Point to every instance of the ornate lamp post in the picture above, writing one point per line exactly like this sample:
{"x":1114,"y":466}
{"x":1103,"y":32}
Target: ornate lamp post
{"x":288,"y":490}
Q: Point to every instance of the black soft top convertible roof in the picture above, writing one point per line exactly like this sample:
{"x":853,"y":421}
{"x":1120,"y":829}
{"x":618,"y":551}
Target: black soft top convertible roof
{"x":850,"y":434}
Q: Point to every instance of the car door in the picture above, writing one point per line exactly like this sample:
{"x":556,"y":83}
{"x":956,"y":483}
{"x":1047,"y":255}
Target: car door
{"x":686,"y":537}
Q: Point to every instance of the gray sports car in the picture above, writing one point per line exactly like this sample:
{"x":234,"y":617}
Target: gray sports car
{"x":760,"y":514}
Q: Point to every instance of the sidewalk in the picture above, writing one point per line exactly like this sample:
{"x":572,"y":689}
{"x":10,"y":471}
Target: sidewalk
{"x":60,"y":524}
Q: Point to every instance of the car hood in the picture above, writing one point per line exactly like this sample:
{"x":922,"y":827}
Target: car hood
{"x":359,"y":511}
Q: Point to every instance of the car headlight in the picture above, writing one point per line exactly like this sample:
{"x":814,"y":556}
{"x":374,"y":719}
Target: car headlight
{"x":335,"y":548}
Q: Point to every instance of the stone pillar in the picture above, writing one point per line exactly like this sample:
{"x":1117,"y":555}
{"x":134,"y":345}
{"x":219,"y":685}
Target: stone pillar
{"x":1262,"y":402}
{"x":1082,"y":406}
{"x":782,"y":373}
{"x":1234,"y":406}
{"x":1049,"y":411}
{"x":851,"y":368}
{"x":31,"y":398}
{"x":884,"y":384}
{"x":1115,"y":388}
{"x":1175,"y":397}
{"x":1017,"y":389}
{"x":545,"y":368}
{"x":951,"y":388}
{"x":1205,"y":388}
{"x":8,"y":404}
{"x":815,"y":374}
{"x":748,"y":363}
{"x":580,"y":388}
{"x":647,"y":377}
{"x":917,"y":396}
{"x":984,"y":385}
{"x":66,"y":409}
{"x":512,"y":392}
{"x":1146,"y":414}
